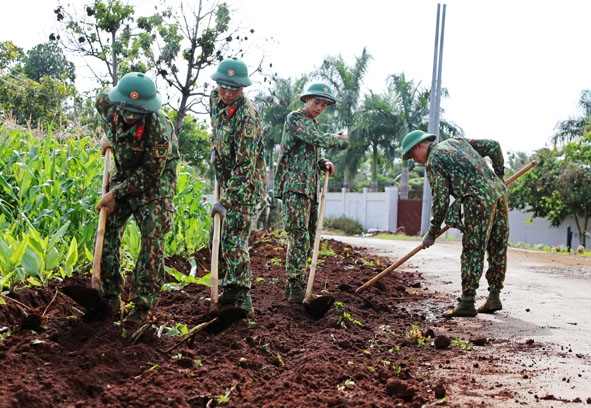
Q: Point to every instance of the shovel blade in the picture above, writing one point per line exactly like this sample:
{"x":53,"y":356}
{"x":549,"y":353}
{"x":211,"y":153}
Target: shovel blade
{"x":225,"y":317}
{"x":318,"y":306}
{"x":88,"y":298}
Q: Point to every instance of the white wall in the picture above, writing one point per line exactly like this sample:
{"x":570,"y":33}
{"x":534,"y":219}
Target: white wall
{"x":536,"y":231}
{"x":372,"y":210}
{"x":379,"y":211}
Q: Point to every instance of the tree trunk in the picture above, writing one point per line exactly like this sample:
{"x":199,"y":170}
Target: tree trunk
{"x":373,"y":187}
{"x":404,"y":181}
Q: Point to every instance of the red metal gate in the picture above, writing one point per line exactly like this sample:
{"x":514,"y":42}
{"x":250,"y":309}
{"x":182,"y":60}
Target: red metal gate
{"x":409,"y":216}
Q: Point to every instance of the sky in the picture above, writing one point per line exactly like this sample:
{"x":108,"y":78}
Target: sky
{"x":513,"y":69}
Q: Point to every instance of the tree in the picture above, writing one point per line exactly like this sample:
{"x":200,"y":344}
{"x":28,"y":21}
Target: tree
{"x":39,"y":98}
{"x":346,"y":82}
{"x":559,"y":186}
{"x":179,"y":45}
{"x":377,"y":124}
{"x":10,"y":53}
{"x":194,"y":142}
{"x":575,"y":127}
{"x":105,"y":33}
{"x":190,"y":43}
{"x":31,"y":103}
{"x":48,"y":60}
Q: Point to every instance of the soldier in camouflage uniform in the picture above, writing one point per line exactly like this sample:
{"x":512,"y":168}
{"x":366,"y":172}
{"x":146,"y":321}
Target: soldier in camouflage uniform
{"x":456,"y":167}
{"x":237,"y":158}
{"x":143,"y":184}
{"x":296,"y":181}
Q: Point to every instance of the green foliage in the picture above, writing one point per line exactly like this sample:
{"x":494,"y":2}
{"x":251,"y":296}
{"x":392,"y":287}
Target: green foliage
{"x":31,"y":102}
{"x":559,"y":186}
{"x":193,"y":142}
{"x":347,"y":225}
{"x":48,"y":60}
{"x":104,"y":30}
{"x":192,"y":222}
{"x":9,"y":54}
{"x":49,"y":189}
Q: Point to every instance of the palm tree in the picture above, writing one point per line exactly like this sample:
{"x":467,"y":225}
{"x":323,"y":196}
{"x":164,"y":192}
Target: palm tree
{"x":346,"y":82}
{"x":575,"y":128}
{"x":377,"y":122}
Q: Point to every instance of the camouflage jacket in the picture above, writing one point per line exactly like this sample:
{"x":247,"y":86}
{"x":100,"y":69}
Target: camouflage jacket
{"x":146,"y":154}
{"x":299,"y":163}
{"x":456,"y":167}
{"x":237,"y":152}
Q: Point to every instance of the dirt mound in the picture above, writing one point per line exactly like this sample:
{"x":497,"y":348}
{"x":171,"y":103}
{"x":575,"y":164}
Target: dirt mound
{"x":384,"y":348}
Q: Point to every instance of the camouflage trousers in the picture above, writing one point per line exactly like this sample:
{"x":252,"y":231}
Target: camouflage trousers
{"x":300,"y":215}
{"x":154,"y":220}
{"x":234,"y":262}
{"x":486,"y":230}
{"x":272,"y":222}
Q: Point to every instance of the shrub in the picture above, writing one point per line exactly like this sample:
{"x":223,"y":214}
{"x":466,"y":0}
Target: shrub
{"x":347,"y":225}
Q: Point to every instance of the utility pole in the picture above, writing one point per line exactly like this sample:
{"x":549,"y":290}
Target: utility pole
{"x":434,"y":109}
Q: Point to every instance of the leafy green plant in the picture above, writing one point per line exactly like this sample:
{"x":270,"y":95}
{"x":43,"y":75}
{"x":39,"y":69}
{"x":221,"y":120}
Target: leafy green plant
{"x":276,"y":262}
{"x":49,"y":186}
{"x":457,"y":342}
{"x":325,"y":250}
{"x":347,"y":318}
{"x":347,"y":225}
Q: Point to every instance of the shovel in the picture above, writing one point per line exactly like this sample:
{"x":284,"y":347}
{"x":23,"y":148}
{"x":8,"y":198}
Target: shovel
{"x":222,"y":317}
{"x":412,"y":253}
{"x":317,"y":306}
{"x":89,"y":298}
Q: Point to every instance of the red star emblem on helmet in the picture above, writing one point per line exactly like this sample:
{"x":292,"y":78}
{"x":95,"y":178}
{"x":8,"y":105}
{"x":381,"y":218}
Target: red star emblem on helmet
{"x":230,"y":72}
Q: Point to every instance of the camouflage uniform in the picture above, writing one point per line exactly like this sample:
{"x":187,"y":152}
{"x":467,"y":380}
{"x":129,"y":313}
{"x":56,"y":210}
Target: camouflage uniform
{"x":240,"y":172}
{"x":456,"y":167}
{"x":143,"y":184}
{"x":296,"y":184}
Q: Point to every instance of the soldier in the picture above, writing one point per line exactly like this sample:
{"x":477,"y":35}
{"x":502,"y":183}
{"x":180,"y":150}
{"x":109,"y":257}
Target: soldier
{"x":456,"y":167}
{"x":143,"y":184}
{"x":298,"y":172}
{"x":237,"y":158}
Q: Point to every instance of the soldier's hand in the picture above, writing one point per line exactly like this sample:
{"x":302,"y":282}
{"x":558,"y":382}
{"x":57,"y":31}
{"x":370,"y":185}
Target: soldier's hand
{"x":329,"y":168}
{"x":343,"y":136}
{"x":218,"y":208}
{"x":428,"y":240}
{"x":105,"y":144}
{"x":107,"y":201}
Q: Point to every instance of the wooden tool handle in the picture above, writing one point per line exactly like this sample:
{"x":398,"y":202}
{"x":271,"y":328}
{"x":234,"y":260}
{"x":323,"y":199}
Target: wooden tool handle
{"x":100,"y":231}
{"x":314,"y":263}
{"x":215,"y":249}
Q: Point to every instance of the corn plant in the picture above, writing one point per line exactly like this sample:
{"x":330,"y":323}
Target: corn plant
{"x":49,"y":189}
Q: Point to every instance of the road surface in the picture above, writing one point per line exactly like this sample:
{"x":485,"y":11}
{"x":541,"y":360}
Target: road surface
{"x":546,"y":302}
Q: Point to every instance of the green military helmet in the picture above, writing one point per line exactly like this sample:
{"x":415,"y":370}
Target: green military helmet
{"x":412,"y":139}
{"x":319,"y":90}
{"x":271,"y":193}
{"x":232,"y":73}
{"x":136,"y":92}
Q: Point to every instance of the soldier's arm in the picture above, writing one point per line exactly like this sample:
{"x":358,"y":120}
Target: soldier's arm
{"x":305,"y":129}
{"x":492,"y":149}
{"x":440,"y":201}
